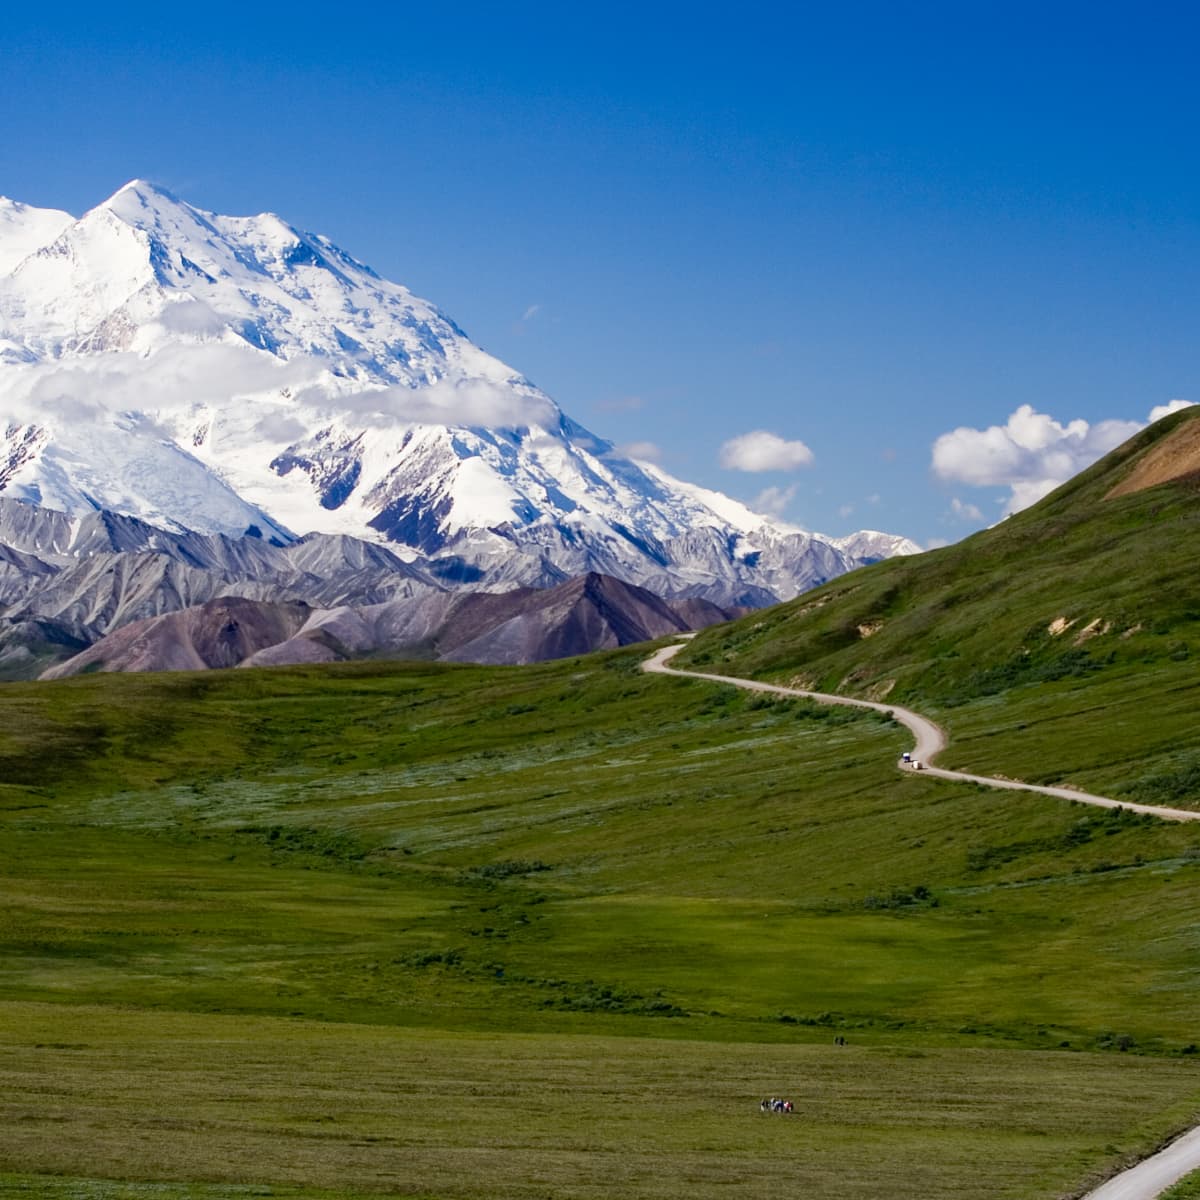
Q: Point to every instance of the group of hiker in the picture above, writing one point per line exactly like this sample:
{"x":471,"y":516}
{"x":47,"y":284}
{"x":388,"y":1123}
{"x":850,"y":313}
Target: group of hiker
{"x":778,"y":1104}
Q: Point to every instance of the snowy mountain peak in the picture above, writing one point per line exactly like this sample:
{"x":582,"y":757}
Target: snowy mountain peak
{"x":156,"y":212}
{"x":156,"y":209}
{"x":141,"y":193}
{"x":210,"y":373}
{"x":25,"y":229}
{"x":869,"y":545}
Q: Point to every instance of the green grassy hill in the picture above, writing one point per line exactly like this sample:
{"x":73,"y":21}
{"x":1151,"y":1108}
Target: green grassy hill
{"x":554,"y":931}
{"x":1059,"y":646}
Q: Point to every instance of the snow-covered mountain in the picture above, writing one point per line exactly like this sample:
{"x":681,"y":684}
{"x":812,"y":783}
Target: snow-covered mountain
{"x":218,"y":374}
{"x":24,"y":229}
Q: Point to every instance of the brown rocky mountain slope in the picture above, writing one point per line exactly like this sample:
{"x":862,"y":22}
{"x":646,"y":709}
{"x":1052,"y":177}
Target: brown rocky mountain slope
{"x":591,"y":612}
{"x":1175,"y":457}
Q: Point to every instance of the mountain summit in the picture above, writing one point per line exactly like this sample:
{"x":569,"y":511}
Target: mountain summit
{"x":216,"y":374}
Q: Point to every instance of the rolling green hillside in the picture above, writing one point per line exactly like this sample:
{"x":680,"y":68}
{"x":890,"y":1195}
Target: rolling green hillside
{"x":570,"y":862}
{"x":445,"y":931}
{"x":1060,"y":646}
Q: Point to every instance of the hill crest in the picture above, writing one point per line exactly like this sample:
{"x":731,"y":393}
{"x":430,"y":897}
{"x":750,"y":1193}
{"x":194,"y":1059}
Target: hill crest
{"x":1175,"y":456}
{"x":1090,"y":578}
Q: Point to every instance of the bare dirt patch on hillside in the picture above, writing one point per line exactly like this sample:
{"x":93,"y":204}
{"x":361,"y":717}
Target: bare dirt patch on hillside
{"x":1175,"y":456}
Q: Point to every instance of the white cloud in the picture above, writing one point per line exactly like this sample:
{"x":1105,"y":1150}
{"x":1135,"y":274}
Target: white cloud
{"x":173,"y":379}
{"x":531,"y":312}
{"x":964,"y":511}
{"x":279,"y":427}
{"x":1030,"y":455}
{"x":192,"y":317}
{"x":645,"y":451}
{"x":763,"y":451}
{"x":453,"y":402}
{"x":773,"y":500}
{"x":1165,"y":410}
{"x":846,"y":510}
{"x":177,"y":378}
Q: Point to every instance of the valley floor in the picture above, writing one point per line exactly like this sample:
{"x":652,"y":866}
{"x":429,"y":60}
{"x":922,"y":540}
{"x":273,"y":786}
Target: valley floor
{"x":202,"y":1103}
{"x":555,"y":932}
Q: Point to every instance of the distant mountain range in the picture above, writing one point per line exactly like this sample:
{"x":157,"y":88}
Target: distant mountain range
{"x":111,"y":592}
{"x":190,"y":392}
{"x":524,"y":625}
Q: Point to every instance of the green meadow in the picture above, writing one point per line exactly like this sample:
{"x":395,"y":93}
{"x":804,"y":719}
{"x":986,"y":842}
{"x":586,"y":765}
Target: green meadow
{"x":452,"y":931}
{"x":323,"y":1109}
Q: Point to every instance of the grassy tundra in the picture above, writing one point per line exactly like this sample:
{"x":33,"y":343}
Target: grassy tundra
{"x":555,"y":931}
{"x":442,"y":931}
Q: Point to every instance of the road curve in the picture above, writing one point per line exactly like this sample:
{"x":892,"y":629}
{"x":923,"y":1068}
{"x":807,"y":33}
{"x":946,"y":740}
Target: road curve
{"x":930,"y":739}
{"x":1152,"y":1176}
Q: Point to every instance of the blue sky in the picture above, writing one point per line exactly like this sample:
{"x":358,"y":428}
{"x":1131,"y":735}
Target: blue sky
{"x":860,"y":230}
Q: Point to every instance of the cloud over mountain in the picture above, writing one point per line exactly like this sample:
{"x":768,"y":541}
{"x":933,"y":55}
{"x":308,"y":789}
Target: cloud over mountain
{"x":1165,"y":410}
{"x":460,"y":401}
{"x":760,"y":450}
{"x":642,"y":451}
{"x":1031,"y":454}
{"x":774,"y":500}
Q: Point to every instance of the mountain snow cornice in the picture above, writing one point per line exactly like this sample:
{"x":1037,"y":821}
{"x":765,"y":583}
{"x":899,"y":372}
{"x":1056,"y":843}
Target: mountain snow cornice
{"x":211,"y":373}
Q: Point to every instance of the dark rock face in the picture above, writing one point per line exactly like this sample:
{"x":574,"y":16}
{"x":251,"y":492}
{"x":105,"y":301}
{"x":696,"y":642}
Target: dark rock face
{"x":24,"y":445}
{"x":28,"y":646}
{"x":334,"y":466}
{"x":592,"y":612}
{"x":408,"y":520}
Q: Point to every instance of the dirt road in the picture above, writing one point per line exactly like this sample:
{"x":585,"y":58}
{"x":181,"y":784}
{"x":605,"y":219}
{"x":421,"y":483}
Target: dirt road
{"x":1153,"y":1175}
{"x":930,"y":738}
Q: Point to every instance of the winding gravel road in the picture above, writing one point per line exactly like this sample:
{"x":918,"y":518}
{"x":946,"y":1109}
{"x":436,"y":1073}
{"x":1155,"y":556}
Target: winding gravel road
{"x":1152,"y":1176}
{"x":930,"y":738}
